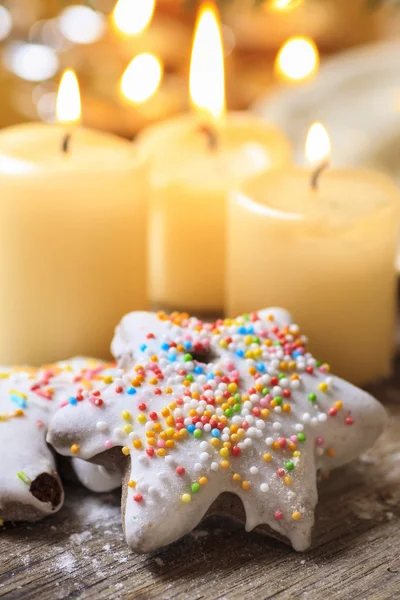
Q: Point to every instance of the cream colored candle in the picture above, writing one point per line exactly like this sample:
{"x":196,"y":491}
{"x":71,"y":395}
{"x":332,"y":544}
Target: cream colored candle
{"x":195,"y":160}
{"x":73,"y":238}
{"x":327,"y":255}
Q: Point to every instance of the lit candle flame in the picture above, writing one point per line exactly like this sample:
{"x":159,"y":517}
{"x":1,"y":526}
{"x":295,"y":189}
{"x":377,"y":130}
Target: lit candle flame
{"x":207,"y":73}
{"x":68,"y":107}
{"x":142,"y":78}
{"x":318,"y":152}
{"x":297,"y":60}
{"x":318,"y":145}
{"x":133,"y":16}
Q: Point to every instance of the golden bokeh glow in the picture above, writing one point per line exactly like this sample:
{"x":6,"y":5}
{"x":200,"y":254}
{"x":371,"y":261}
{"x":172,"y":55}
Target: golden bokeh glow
{"x":68,"y":107}
{"x":283,"y":5}
{"x":207,"y":73}
{"x":318,"y":145}
{"x":131,"y":17}
{"x":297,"y":60}
{"x":141,"y":78}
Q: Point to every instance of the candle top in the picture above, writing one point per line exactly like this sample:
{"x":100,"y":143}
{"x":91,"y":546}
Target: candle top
{"x":33,"y":147}
{"x":180,"y":149}
{"x":342,"y":196}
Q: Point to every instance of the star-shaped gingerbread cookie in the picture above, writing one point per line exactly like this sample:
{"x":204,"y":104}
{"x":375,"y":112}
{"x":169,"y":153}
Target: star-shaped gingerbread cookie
{"x":30,"y":486}
{"x":236,"y":406}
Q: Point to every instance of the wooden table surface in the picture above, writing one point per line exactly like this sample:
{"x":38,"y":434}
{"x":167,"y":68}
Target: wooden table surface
{"x":81,"y":552}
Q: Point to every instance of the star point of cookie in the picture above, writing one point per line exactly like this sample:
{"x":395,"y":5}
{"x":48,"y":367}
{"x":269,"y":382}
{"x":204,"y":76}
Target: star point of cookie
{"x":238,"y":406}
{"x":30,"y":485}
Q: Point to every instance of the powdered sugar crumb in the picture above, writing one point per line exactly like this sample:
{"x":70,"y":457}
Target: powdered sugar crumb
{"x":97,"y":512}
{"x":66,"y":562}
{"x":79,"y":538}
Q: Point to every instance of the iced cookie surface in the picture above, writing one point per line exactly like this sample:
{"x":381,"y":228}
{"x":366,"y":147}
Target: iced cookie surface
{"x":29,"y":484}
{"x":236,"y":406}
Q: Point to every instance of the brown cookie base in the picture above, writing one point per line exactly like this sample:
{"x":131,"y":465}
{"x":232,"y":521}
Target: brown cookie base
{"x":229,"y":505}
{"x":112,"y":459}
{"x":226,"y":505}
{"x":46,"y":488}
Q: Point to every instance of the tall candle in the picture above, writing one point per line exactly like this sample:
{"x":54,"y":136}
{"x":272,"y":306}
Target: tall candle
{"x":194,"y":161}
{"x":72,"y":243}
{"x":327,"y":255}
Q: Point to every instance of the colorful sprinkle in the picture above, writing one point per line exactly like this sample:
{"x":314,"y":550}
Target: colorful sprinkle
{"x":24,"y":477}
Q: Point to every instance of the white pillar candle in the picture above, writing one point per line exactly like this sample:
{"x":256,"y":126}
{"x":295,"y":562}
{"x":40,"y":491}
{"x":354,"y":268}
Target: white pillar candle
{"x":72,"y":243}
{"x":327,"y":255}
{"x":195,"y":160}
{"x":189,"y":188}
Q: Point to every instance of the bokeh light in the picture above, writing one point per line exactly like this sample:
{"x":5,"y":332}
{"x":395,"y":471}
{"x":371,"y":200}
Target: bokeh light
{"x":133,"y":16}
{"x":32,"y":62}
{"x":298,"y":59}
{"x":5,"y":22}
{"x":283,"y":5}
{"x":142,"y":78}
{"x":81,"y":24}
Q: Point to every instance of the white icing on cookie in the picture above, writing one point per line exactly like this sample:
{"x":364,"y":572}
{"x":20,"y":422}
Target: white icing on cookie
{"x":28,"y":399}
{"x":23,"y":424}
{"x":95,"y":477}
{"x":131,"y":332}
{"x":237,"y":406}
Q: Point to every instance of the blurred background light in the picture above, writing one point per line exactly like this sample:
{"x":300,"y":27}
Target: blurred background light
{"x":32,"y":62}
{"x":280,"y":5}
{"x":81,"y":24}
{"x":298,"y":59}
{"x":5,"y":23}
{"x":46,"y":106}
{"x":142,"y":78}
{"x":52,"y":36}
{"x":133,"y":16}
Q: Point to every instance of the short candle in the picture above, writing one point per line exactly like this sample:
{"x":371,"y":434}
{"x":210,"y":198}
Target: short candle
{"x":73,"y":239}
{"x":325,"y":254}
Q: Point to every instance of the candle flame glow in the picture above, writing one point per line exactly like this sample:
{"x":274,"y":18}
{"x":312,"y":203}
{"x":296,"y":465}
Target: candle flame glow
{"x":68,"y":107}
{"x":318,"y":145}
{"x":141,"y":78}
{"x":297,"y":60}
{"x":133,"y":16}
{"x":207,"y":73}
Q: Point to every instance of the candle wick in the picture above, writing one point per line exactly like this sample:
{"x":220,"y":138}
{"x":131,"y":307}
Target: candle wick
{"x":211,"y":135}
{"x":66,"y":142}
{"x":316,"y":174}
